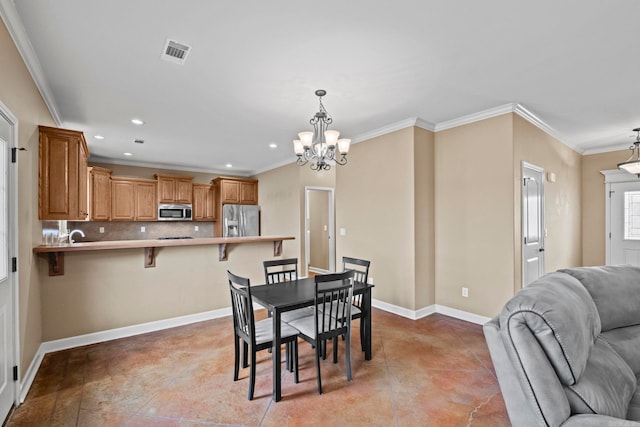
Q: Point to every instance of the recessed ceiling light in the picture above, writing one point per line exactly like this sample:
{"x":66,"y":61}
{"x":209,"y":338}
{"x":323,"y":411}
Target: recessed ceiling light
{"x":229,"y":165}
{"x":128,"y":154}
{"x":137,"y":122}
{"x":273,"y":145}
{"x":98,"y":136}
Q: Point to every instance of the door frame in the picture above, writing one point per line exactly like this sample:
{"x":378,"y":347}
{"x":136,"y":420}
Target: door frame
{"x":13,"y":241}
{"x":536,"y":168}
{"x":614,"y":176}
{"x":332,"y":237}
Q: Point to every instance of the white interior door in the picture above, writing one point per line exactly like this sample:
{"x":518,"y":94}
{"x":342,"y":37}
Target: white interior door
{"x":624,"y":223}
{"x":319,"y":229}
{"x":8,"y":277}
{"x":532,"y":223}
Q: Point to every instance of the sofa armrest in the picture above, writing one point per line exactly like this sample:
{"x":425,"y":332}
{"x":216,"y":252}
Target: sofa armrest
{"x":598,"y":421}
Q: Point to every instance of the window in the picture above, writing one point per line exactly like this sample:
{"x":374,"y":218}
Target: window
{"x":632,"y":215}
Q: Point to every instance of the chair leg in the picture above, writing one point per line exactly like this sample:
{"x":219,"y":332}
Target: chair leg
{"x":348,"y":354}
{"x":245,"y":354}
{"x":252,"y":374}
{"x":295,"y":360}
{"x":362,"y":332}
{"x":318,"y":354}
{"x":335,"y":349}
{"x":324,"y":349}
{"x":287,"y":359}
{"x":236,"y":357}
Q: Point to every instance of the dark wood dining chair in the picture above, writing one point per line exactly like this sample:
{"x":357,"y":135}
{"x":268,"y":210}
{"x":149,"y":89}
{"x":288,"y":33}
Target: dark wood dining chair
{"x":331,"y":319}
{"x":360,"y":268}
{"x":285,"y":270}
{"x":255,"y":336}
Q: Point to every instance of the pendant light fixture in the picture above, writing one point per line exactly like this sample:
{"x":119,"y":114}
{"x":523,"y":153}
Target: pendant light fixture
{"x":633,"y":166}
{"x":322,"y":146}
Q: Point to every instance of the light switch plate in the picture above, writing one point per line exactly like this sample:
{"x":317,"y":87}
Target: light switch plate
{"x":343,"y":232}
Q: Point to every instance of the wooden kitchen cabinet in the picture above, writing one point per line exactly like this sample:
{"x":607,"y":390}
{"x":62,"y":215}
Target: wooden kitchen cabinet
{"x":203,"y":202}
{"x":99,"y":193}
{"x":236,"y":190}
{"x":174,"y":188}
{"x":63,"y":175}
{"x":232,"y":190}
{"x":133,"y":199}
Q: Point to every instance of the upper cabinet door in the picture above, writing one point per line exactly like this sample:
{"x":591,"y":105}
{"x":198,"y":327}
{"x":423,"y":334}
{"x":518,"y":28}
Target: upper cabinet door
{"x":230,"y":191}
{"x":249,"y":192}
{"x":62,"y":175}
{"x":174,"y":189}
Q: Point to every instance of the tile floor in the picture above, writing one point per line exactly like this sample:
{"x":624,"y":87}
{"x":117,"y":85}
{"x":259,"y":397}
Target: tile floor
{"x":435,"y":371}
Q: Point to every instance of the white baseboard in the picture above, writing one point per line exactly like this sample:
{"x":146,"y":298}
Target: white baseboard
{"x":112,"y":334}
{"x":429,"y":310}
{"x":462,"y":315}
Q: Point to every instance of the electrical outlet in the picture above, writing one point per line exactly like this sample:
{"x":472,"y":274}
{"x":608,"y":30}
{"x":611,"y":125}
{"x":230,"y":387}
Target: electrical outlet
{"x":465,"y":292}
{"x":143,"y":229}
{"x":196,"y":228}
{"x":101,"y":229}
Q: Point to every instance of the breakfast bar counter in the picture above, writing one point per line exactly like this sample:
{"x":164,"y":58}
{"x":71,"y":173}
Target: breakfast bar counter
{"x":56,"y":252}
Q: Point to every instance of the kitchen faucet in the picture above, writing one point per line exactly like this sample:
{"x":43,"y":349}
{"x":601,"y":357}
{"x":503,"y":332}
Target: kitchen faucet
{"x":72,"y":233}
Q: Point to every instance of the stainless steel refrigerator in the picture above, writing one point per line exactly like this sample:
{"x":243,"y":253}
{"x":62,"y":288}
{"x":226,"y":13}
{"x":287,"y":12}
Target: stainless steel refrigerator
{"x":240,"y":220}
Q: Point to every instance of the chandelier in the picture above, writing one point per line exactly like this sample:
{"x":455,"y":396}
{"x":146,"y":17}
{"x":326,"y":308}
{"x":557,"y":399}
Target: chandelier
{"x":322,"y":146}
{"x":633,"y":166}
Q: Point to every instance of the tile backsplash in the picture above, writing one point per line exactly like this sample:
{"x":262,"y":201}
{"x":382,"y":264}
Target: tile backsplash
{"x":114,"y":230}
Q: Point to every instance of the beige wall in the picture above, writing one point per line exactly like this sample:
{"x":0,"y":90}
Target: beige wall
{"x":375,"y":196}
{"x":20,"y":95}
{"x":563,"y":212}
{"x":424,"y":181}
{"x":474,"y":215}
{"x":593,"y":204}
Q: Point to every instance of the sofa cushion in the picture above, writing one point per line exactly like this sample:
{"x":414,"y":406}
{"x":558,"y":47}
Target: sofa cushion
{"x":560,"y":314}
{"x":615,"y":291}
{"x":626,"y":342}
{"x":633,"y":413}
{"x":606,"y":386}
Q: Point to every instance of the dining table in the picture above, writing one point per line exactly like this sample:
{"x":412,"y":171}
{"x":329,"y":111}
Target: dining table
{"x":290,"y":295}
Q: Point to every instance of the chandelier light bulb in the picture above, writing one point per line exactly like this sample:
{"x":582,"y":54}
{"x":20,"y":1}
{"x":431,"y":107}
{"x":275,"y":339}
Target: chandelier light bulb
{"x":343,"y":146}
{"x":306,"y":138}
{"x":297,"y":147}
{"x":331,"y":137}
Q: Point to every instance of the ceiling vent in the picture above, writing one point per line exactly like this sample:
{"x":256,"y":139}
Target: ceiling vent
{"x":175,"y":52}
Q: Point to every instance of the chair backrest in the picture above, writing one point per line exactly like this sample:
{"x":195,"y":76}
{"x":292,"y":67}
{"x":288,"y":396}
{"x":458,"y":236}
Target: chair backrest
{"x":242,"y":307}
{"x":361,"y":274}
{"x":280,"y":270}
{"x":333,"y":315}
{"x":359,"y":266}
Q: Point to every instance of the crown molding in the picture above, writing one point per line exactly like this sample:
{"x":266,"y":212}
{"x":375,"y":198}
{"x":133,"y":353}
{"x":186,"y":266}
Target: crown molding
{"x":599,"y":150}
{"x":16,"y":29}
{"x":536,"y":121}
{"x":403,"y":124}
{"x":476,"y":117}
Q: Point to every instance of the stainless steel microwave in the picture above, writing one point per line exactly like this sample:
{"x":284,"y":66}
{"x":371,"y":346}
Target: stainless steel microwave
{"x":174,"y":212}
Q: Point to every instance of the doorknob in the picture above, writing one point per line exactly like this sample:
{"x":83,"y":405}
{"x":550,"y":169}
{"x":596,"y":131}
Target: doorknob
{"x":541,"y":250}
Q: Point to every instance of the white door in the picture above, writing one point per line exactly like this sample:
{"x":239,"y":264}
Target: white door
{"x":624,"y":227}
{"x":8,"y":273}
{"x":532,"y":223}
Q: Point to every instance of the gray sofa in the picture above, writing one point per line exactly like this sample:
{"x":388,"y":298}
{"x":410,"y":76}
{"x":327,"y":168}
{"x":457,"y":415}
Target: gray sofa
{"x":566,"y":349}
